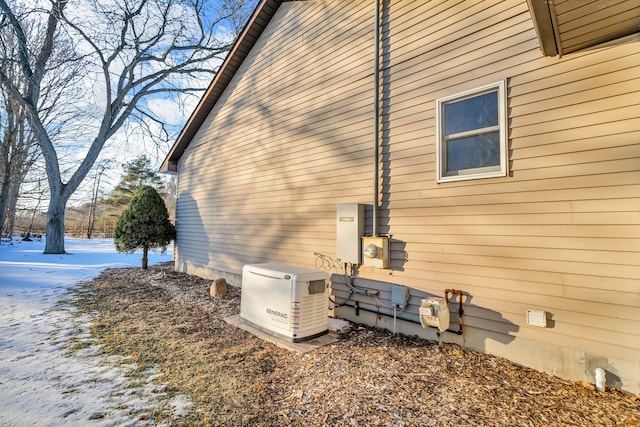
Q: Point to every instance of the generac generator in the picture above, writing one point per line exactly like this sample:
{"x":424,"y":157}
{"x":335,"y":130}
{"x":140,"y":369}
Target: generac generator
{"x":286,"y":301}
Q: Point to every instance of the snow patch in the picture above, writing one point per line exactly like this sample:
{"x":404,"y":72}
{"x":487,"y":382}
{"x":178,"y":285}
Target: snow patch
{"x":339,"y":326}
{"x":42,"y":383}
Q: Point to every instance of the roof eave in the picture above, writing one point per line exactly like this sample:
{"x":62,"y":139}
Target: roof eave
{"x":239,"y":51}
{"x":542,"y":17}
{"x":556,"y":24}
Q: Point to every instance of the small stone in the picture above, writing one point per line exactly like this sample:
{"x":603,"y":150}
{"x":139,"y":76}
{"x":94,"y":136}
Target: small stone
{"x":218,"y":289}
{"x":97,"y":416}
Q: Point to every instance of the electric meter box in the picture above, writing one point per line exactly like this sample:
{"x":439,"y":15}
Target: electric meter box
{"x":375,"y":252}
{"x":349,"y":230}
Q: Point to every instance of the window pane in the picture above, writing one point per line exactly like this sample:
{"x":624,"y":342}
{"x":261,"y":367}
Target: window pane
{"x":474,"y":152}
{"x":472,"y":113}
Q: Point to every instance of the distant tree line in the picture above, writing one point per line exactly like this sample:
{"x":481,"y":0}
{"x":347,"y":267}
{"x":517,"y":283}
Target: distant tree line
{"x":98,"y":216}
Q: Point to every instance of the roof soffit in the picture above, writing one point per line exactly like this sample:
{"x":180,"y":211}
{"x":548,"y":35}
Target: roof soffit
{"x":565,"y":26}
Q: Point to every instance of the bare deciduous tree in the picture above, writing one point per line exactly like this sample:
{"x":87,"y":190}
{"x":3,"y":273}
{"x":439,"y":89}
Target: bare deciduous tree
{"x":133,"y":51}
{"x":99,"y":170}
{"x":17,"y":152}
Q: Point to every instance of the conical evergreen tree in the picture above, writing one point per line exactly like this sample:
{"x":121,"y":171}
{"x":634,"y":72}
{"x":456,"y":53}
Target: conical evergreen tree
{"x":137,"y":173}
{"x":144,"y":225}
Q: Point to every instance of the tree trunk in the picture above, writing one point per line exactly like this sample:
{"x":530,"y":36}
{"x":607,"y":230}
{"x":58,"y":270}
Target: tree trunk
{"x":4,"y":198}
{"x":91,"y":220}
{"x":145,"y":257}
{"x":55,"y":225}
{"x":94,"y":199}
{"x":12,"y":202}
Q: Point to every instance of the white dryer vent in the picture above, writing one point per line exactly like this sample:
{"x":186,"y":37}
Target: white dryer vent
{"x":287,"y":301}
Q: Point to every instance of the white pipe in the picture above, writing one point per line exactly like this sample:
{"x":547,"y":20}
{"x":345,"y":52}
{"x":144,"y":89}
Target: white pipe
{"x":394,"y":319}
{"x":601,"y":379}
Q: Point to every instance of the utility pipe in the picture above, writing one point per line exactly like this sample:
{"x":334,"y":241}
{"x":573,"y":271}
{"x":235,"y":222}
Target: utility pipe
{"x":357,"y":307}
{"x":376,"y":125}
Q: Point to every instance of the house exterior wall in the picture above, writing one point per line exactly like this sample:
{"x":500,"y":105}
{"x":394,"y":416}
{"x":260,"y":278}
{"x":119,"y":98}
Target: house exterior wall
{"x":292,"y":137}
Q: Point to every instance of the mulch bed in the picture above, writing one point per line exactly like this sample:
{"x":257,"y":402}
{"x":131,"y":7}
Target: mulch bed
{"x":166,"y":320}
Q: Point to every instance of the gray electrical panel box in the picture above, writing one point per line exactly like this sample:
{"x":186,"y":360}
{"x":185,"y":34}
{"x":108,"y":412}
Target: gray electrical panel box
{"x":399,"y":296}
{"x":349,"y":230}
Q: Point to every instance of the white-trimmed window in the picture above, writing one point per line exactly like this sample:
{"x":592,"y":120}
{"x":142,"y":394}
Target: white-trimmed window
{"x":471,"y":134}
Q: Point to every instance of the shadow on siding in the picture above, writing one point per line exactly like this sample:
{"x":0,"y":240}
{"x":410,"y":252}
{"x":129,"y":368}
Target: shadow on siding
{"x":189,"y":227}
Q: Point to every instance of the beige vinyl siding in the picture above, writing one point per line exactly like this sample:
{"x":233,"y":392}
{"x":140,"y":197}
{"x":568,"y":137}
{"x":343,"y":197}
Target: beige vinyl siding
{"x":561,"y":233}
{"x":583,"y":24}
{"x":284,"y":142}
{"x":291,"y":138}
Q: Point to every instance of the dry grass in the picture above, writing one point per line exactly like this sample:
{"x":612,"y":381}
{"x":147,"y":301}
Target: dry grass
{"x":167,"y":320}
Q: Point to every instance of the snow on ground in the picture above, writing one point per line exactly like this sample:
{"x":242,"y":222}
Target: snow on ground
{"x":41,"y":382}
